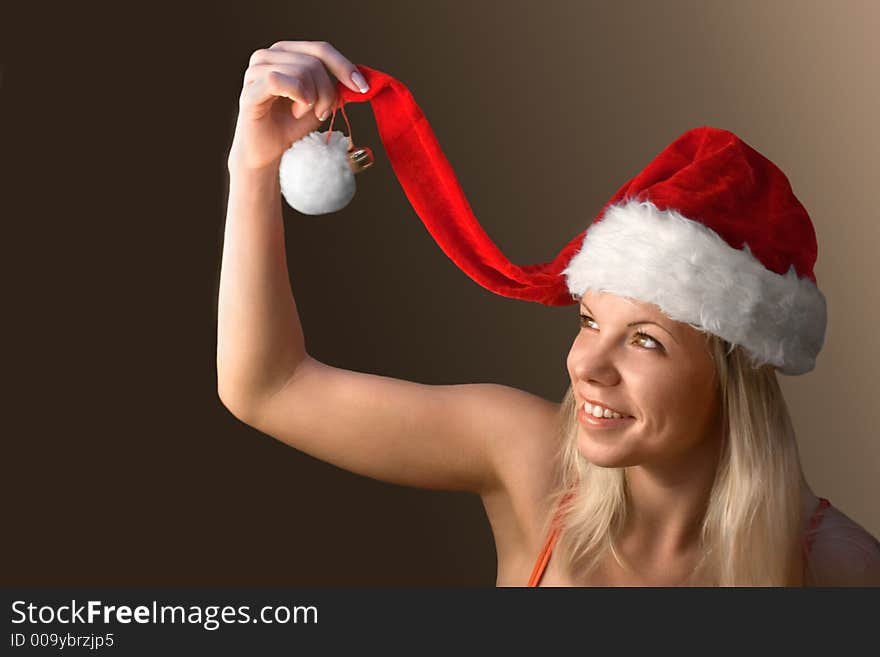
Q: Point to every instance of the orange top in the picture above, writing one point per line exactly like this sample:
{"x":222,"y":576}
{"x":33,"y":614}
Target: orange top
{"x":544,"y":556}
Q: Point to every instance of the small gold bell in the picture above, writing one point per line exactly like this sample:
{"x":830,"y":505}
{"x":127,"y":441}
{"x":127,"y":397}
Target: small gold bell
{"x":360,"y":158}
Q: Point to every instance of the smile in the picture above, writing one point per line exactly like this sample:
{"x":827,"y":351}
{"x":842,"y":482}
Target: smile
{"x":591,"y":420}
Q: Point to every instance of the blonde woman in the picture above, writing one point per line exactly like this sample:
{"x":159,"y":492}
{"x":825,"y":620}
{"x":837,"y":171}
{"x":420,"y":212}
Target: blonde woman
{"x":670,"y":461}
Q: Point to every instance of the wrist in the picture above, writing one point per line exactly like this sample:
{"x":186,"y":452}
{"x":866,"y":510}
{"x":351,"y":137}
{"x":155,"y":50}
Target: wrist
{"x":241,"y":162}
{"x":240,"y":169}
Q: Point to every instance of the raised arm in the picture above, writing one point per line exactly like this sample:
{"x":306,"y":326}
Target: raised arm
{"x":472,"y":437}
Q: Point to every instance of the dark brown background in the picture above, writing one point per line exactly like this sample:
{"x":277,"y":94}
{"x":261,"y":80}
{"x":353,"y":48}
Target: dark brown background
{"x":120,"y":464}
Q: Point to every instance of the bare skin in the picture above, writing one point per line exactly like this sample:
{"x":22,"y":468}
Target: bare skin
{"x":662,"y":375}
{"x":492,"y":440}
{"x":664,"y":379}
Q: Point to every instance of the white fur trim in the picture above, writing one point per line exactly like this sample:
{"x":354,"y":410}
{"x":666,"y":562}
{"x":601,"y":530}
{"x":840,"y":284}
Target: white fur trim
{"x":689,"y":272}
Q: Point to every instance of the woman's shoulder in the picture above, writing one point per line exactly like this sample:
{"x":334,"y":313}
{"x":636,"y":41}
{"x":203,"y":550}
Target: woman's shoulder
{"x":842,"y":552}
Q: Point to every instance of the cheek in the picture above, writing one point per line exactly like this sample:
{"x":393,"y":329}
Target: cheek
{"x":570,"y":360}
{"x":684,"y":402}
{"x":668,"y":392}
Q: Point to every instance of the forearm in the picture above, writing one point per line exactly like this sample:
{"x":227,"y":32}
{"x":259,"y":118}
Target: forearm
{"x":259,"y":336}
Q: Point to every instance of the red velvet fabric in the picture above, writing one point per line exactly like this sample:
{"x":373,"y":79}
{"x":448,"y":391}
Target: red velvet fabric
{"x":707,"y":174}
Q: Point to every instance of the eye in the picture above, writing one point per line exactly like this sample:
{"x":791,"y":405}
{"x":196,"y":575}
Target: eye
{"x":585,"y":319}
{"x":640,"y":335}
{"x":644,"y":336}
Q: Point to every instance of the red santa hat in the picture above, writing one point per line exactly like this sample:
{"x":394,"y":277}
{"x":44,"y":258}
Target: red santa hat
{"x":709,"y":231}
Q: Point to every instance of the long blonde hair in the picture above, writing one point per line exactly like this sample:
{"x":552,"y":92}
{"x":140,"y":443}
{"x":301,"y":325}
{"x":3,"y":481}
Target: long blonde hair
{"x":750,"y":533}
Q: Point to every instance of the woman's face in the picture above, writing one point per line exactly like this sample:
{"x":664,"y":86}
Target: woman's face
{"x":661,"y":374}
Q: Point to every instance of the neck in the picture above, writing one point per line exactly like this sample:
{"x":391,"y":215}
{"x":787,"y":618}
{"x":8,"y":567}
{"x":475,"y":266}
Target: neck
{"x":667,"y":503}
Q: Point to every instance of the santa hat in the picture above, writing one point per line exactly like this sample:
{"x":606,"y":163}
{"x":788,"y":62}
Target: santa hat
{"x":709,"y":231}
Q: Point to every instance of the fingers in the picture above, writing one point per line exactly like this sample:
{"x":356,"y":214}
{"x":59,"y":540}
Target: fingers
{"x":266,"y":82}
{"x":289,"y":65}
{"x":326,"y":91}
{"x":302,"y":106}
{"x":300,"y":71}
{"x":339,"y":65}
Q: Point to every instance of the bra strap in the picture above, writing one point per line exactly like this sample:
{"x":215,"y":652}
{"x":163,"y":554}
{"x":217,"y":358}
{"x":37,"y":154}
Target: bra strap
{"x":543,"y":558}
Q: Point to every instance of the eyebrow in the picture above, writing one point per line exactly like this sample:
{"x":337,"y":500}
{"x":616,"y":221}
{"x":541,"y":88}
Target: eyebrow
{"x":644,"y":321}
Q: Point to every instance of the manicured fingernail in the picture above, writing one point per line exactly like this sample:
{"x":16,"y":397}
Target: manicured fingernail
{"x":324,"y":116}
{"x":359,"y":81}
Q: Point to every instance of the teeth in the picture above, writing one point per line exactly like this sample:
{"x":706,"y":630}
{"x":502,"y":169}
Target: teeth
{"x":598,"y":411}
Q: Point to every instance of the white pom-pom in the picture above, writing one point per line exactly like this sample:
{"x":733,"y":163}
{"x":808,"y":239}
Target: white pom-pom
{"x":315,"y":176}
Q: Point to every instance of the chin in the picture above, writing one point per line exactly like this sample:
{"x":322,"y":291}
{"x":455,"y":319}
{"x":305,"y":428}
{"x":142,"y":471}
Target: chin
{"x":603,"y":454}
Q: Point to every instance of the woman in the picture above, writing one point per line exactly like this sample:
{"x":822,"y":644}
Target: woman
{"x":705,"y":485}
{"x":695,"y":284}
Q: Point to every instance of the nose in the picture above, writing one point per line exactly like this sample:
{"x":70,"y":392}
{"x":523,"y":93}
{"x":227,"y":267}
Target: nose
{"x":594,"y":363}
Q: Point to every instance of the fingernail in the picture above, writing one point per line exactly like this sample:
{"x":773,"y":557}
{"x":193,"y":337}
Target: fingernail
{"x":324,"y":116}
{"x":359,"y":82}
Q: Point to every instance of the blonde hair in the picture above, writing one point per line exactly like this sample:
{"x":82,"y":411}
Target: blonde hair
{"x":750,"y":533}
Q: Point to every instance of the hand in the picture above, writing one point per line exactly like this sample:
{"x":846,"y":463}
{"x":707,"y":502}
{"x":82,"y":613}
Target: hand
{"x":287,"y":88}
